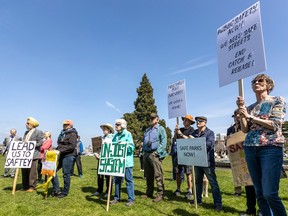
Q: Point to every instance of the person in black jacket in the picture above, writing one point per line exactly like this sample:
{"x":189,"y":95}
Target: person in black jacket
{"x":67,"y":148}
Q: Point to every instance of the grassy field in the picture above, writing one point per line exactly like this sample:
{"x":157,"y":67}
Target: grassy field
{"x":81,"y":201}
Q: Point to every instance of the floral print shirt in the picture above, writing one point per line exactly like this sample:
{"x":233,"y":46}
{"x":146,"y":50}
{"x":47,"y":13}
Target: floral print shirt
{"x":274,"y":110}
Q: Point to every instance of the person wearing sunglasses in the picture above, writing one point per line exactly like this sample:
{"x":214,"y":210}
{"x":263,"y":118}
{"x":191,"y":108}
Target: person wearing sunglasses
{"x":122,"y":135}
{"x":203,"y":131}
{"x":263,"y":145}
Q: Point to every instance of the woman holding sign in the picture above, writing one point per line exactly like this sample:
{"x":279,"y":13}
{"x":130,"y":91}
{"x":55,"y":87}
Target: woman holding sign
{"x":123,"y":136}
{"x":262,"y":121}
{"x":108,"y":132}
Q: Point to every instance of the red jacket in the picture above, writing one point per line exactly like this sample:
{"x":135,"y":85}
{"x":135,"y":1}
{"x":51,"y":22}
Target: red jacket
{"x":47,"y":144}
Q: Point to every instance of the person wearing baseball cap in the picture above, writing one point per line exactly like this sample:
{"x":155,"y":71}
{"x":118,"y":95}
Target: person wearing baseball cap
{"x":183,"y":133}
{"x":154,"y":148}
{"x":67,"y":142}
{"x":203,"y":131}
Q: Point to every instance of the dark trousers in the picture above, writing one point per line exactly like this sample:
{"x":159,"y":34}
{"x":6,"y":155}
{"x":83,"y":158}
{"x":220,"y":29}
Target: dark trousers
{"x":29,"y":176}
{"x":39,"y":169}
{"x":100,"y":180}
{"x":78,"y":164}
{"x":250,"y":199}
{"x":66,"y":164}
{"x":141,"y":162}
{"x":211,"y":176}
{"x":153,"y":170}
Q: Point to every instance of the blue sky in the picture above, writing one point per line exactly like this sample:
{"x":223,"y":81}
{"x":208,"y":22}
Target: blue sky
{"x":83,"y":60}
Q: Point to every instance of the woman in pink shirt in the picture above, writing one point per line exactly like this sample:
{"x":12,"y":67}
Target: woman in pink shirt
{"x":47,"y":145}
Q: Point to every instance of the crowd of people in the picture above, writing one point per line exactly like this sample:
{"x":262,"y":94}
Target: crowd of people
{"x":263,"y":146}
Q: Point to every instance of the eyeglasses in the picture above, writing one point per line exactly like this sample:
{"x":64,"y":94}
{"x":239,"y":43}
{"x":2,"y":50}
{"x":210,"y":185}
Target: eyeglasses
{"x":117,"y":124}
{"x":199,"y":121}
{"x":261,"y":80}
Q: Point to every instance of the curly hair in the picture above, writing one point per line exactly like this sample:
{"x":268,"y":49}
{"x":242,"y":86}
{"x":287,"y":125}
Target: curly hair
{"x":269,"y":81}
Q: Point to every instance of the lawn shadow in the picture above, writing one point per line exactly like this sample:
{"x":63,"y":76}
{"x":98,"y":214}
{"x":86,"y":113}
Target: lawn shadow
{"x":18,"y":187}
{"x":102,"y":202}
{"x":88,"y":189}
{"x":183,"y":212}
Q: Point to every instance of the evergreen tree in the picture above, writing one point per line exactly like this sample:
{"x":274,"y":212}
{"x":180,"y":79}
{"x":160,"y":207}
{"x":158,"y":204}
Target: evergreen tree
{"x":145,"y":103}
{"x":139,"y":120}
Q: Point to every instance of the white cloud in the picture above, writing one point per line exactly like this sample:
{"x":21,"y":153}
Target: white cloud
{"x":207,"y":63}
{"x":112,"y":106}
{"x":194,"y":60}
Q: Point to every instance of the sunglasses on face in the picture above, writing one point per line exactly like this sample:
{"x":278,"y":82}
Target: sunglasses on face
{"x":261,"y":80}
{"x":117,"y":124}
{"x":199,"y":121}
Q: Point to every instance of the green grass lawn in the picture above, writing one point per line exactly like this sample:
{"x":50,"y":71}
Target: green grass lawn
{"x":80,"y":200}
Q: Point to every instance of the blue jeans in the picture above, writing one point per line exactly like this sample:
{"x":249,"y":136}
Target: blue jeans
{"x":211,"y":176}
{"x":67,"y":165}
{"x":264,"y":164}
{"x":129,"y":185}
{"x":55,"y":182}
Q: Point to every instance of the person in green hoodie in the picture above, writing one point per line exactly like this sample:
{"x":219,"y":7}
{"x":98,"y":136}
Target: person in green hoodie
{"x":122,"y":135}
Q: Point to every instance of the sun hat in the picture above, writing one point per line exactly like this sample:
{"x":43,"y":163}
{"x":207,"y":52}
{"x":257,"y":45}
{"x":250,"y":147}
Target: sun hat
{"x":109,"y":126}
{"x":189,"y":117}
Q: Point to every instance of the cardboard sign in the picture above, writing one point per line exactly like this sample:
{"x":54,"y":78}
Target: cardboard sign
{"x":240,"y":47}
{"x":112,"y":159}
{"x":192,"y":152}
{"x":236,"y":154}
{"x":20,"y":154}
{"x":50,"y":164}
{"x":96,"y":144}
{"x":177,"y":99}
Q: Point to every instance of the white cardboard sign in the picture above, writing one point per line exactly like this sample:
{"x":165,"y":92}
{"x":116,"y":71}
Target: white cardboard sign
{"x":112,"y":159}
{"x":177,"y":99}
{"x":192,"y":152}
{"x":20,"y":154}
{"x":240,"y":46}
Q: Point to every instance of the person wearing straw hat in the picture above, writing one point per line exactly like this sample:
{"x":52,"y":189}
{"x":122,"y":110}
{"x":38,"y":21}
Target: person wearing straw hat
{"x":108,"y":132}
{"x":29,"y":175}
{"x":183,"y":133}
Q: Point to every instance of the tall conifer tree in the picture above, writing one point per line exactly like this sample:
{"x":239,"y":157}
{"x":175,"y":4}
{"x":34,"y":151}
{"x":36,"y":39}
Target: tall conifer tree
{"x":139,"y":120}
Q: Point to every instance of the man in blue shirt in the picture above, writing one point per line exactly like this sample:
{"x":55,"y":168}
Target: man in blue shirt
{"x":154,"y":148}
{"x":204,"y":131}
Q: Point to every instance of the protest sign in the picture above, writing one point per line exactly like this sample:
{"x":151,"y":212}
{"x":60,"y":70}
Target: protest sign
{"x":96,"y":144}
{"x":112,"y":159}
{"x":240,"y":47}
{"x":236,"y":154}
{"x":192,"y":152}
{"x":50,"y":164}
{"x":177,"y":99}
{"x":20,"y":154}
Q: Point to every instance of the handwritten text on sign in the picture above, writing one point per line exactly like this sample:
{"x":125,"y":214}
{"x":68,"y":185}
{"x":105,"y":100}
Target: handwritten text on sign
{"x":112,"y":159}
{"x":177,"y":99}
{"x":240,"y":46}
{"x":192,"y":152}
{"x":20,"y":154}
